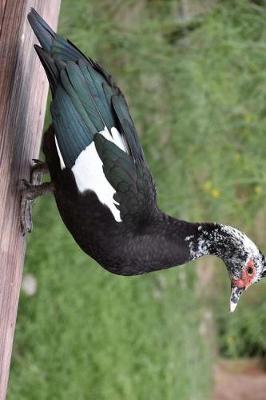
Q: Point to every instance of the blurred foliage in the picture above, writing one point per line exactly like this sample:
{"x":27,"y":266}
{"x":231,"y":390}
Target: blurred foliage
{"x":88,"y":334}
{"x":196,"y":86}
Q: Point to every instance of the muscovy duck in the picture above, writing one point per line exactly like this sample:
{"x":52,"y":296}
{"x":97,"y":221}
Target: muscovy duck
{"x":102,"y":184}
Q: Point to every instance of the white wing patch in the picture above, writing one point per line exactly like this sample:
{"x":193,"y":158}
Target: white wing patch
{"x":88,"y":171}
{"x":116,"y":138}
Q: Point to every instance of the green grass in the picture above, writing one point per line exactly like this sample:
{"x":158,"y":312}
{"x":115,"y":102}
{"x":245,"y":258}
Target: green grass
{"x":90,"y":335}
{"x":199,"y":105}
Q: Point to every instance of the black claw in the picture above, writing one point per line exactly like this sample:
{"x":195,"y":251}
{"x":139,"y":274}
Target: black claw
{"x":36,"y":161}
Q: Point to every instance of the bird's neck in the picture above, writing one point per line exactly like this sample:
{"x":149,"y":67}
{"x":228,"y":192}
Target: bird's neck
{"x":210,"y":239}
{"x":169,"y":242}
{"x":223,"y":241}
{"x":184,"y":241}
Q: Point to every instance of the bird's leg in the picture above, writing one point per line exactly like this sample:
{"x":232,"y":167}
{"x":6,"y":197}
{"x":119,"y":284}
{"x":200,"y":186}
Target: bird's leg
{"x":37,"y":170}
{"x":28,"y":194}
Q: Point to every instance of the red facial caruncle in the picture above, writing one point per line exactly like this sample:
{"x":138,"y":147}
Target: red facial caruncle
{"x":248,"y":274}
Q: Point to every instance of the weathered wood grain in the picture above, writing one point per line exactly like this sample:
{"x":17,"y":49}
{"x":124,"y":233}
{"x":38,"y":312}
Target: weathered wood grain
{"x":23,"y":91}
{"x":2,"y":12}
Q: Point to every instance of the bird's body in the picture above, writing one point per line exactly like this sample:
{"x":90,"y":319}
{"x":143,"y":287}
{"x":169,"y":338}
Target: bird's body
{"x":121,"y":248}
{"x":102,"y":185}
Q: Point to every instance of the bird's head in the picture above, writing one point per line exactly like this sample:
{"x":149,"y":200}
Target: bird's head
{"x":245,"y":263}
{"x":252,"y":271}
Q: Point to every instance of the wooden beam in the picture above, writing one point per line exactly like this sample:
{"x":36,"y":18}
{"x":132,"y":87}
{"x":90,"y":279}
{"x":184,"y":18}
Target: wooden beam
{"x":23,"y":90}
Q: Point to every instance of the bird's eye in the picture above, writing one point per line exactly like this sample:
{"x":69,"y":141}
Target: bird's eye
{"x":250,"y":270}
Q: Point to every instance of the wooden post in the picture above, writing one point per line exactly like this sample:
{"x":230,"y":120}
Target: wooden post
{"x":23,"y":93}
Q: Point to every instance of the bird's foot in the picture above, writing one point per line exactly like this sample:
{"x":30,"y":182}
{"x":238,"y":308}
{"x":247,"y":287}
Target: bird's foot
{"x":37,"y":171}
{"x":29,"y":192}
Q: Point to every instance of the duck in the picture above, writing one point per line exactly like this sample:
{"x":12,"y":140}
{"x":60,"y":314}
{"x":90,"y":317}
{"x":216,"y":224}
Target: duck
{"x":102,"y":184}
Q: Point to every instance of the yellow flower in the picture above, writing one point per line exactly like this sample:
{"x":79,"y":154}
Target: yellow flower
{"x":258,"y":189}
{"x":207,"y":186}
{"x":215,"y":193}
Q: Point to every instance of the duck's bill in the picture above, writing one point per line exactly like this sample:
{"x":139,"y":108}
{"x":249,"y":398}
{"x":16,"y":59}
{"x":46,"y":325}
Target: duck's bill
{"x":235,"y":296}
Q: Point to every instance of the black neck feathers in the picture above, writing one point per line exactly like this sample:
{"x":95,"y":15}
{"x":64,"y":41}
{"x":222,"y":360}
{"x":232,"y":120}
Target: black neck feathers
{"x":169,"y":242}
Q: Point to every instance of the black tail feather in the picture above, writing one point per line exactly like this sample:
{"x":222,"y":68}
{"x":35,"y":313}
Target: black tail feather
{"x":42,"y":30}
